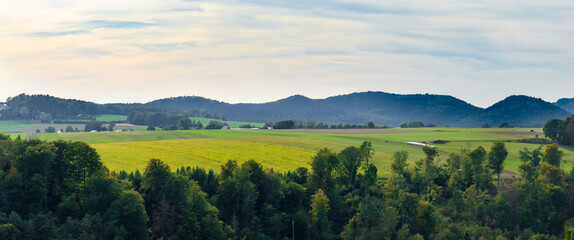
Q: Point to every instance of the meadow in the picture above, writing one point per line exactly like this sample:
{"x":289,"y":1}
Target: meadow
{"x":231,"y":124}
{"x":111,"y":118}
{"x":287,"y":150}
{"x":281,"y":150}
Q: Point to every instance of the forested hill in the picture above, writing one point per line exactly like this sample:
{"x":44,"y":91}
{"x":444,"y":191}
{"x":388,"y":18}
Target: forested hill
{"x":382,"y":108}
{"x":34,"y":107}
{"x":518,"y":111}
{"x":379,"y":107}
{"x":566,"y":103}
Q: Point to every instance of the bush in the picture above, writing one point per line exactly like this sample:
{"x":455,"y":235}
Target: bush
{"x":93,"y":125}
{"x":284,"y":124}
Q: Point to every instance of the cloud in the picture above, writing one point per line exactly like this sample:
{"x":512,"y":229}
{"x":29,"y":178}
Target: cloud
{"x":475,"y":50}
{"x":57,"y":34}
{"x":166,"y":47}
{"x":116,"y":24}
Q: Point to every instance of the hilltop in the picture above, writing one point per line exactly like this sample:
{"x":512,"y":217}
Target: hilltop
{"x":381,"y":108}
{"x":355,"y":108}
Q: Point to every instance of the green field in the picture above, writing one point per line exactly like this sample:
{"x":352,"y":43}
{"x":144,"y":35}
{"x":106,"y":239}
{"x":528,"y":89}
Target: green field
{"x":111,"y":118}
{"x":287,"y":150}
{"x":32,"y":126}
{"x":14,"y":125}
{"x":232,"y":124}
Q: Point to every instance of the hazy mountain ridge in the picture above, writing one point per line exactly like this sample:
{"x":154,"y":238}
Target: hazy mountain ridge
{"x":384,"y":108}
{"x":379,"y":107}
{"x":566,"y":103}
{"x":517,"y":110}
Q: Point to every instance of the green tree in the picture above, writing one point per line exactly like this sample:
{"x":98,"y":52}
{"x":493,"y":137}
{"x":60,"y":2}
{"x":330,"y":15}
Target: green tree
{"x":399,"y":164}
{"x":69,"y":128}
{"x":322,"y":167}
{"x":8,"y":231}
{"x":553,"y":155}
{"x":93,"y":126}
{"x":99,"y":192}
{"x":370,"y":125}
{"x":156,"y":174}
{"x":129,"y":213}
{"x":79,"y":160}
{"x":427,"y":219}
{"x":350,"y":161}
{"x":532,"y":158}
{"x":284,"y":124}
{"x":37,"y":159}
{"x":367,"y":150}
{"x":477,"y":159}
{"x":35,"y":195}
{"x":371,"y":174}
{"x":184,"y":123}
{"x":496,"y":157}
{"x":407,"y":204}
{"x":24,"y":112}
{"x":320,"y":224}
{"x":555,"y":129}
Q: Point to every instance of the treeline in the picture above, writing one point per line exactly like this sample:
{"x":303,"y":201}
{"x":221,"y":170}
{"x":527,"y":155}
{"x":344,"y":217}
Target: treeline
{"x":416,"y":124}
{"x":47,"y":109}
{"x":561,"y":131}
{"x":167,"y":121}
{"x":312,"y":124}
{"x":61,"y":190}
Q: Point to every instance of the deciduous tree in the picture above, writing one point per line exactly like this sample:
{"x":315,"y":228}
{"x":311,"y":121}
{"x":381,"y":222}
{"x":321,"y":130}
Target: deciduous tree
{"x":496,"y":157}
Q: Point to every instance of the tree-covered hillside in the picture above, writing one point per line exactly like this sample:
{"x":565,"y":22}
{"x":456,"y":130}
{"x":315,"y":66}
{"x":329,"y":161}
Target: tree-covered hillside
{"x":356,"y":108}
{"x":566,"y":103}
{"x":522,"y":111}
{"x":381,"y":108}
{"x":45,"y":107}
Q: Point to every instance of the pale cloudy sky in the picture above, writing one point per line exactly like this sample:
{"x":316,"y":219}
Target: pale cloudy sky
{"x":258,"y":51}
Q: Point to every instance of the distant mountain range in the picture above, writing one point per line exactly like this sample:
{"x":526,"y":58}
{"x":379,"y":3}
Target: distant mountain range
{"x":385,"y":108}
{"x":380,"y":107}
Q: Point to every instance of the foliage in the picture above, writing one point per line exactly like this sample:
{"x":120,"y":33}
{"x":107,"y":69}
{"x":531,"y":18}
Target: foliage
{"x":284,"y":124}
{"x":413,"y":124}
{"x":561,"y":131}
{"x":496,"y":157}
{"x":50,"y":130}
{"x":61,"y":190}
{"x":94,"y":126}
{"x":553,"y":155}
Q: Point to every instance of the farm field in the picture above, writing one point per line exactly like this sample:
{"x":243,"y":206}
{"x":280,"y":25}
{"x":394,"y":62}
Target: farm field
{"x":285,"y":150}
{"x":110,"y":118}
{"x":32,"y":126}
{"x":232,"y":124}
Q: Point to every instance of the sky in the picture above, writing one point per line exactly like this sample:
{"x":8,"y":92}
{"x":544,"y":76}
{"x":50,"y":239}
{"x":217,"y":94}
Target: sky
{"x":253,"y":51}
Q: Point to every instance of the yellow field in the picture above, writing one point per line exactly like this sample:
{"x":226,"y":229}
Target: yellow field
{"x":280,"y":153}
{"x":287,"y":150}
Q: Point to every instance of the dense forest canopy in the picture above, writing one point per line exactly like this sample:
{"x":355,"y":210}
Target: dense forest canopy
{"x":561,"y":131}
{"x":47,"y":108}
{"x":61,"y":190}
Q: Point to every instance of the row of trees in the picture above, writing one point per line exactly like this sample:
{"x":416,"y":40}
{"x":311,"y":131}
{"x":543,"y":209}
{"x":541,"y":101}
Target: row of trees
{"x":312,"y":124}
{"x":61,"y":190}
{"x":416,"y":124}
{"x":561,"y":131}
